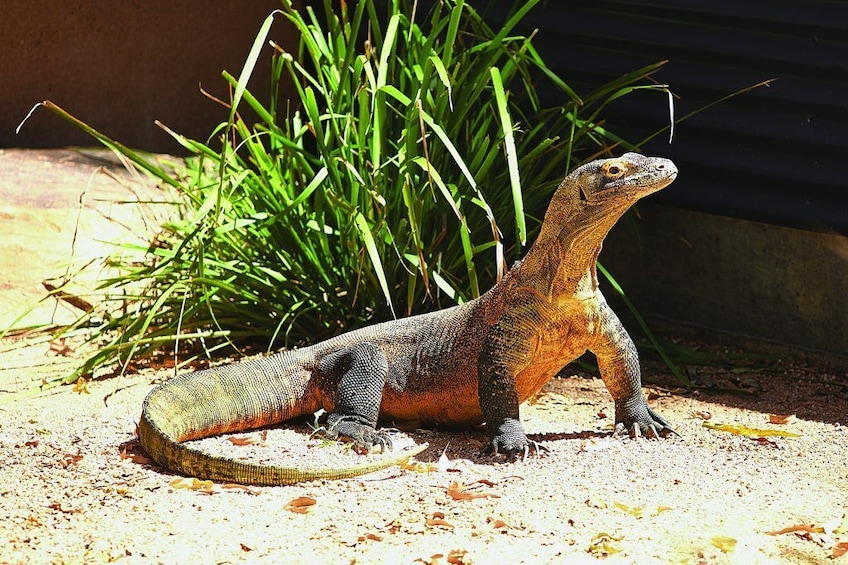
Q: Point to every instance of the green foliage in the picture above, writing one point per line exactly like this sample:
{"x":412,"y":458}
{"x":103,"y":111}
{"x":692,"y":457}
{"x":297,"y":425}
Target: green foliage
{"x":414,"y":151}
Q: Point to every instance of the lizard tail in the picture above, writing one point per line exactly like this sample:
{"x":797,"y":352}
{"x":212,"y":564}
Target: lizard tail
{"x":233,"y":398}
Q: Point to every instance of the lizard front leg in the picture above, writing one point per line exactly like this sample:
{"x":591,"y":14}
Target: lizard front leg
{"x":618,"y":362}
{"x":358,"y":373}
{"x":504,"y":354}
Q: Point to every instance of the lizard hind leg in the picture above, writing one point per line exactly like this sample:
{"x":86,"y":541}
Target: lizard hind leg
{"x":358,"y":374}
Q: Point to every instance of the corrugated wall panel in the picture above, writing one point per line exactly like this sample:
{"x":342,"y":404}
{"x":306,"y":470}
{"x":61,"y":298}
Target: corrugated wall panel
{"x":775,"y":154}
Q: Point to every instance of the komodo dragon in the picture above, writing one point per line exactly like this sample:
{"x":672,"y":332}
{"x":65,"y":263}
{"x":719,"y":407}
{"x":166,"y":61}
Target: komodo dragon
{"x":461,"y":366}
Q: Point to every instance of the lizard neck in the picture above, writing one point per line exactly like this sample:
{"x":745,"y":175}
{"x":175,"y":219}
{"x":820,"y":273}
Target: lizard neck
{"x":561,"y":264}
{"x":563,"y":258}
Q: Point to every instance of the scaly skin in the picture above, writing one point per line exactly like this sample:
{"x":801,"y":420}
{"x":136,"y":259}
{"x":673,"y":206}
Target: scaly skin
{"x":457,"y":367}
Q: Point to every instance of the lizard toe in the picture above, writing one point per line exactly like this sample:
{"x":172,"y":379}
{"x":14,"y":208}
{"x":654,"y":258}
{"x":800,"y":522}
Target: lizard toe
{"x":383,"y":440}
{"x":509,"y":438}
{"x":514,"y":447}
{"x":364,"y":436}
{"x":324,"y":432}
{"x":641,"y":421}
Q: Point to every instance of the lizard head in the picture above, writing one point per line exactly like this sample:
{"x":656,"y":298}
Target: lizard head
{"x":584,"y":208}
{"x":622,"y":180}
{"x":593,"y":196}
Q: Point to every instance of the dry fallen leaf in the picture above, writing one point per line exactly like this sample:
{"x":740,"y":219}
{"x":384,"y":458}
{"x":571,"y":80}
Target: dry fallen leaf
{"x":410,"y":464}
{"x":653,"y":393}
{"x":135,"y":457}
{"x":368,"y":536}
{"x":604,"y":545}
{"x":839,"y":549}
{"x":205,"y":487}
{"x":781,"y":418}
{"x":725,"y":543}
{"x":81,"y":386}
{"x":438,"y":519}
{"x":809,"y":528}
{"x":768,"y":441}
{"x":252,"y":439}
{"x":749,"y":432}
{"x":69,"y":459}
{"x":636,"y":511}
{"x":244,"y":488}
{"x":499,"y":523}
{"x":702,"y":414}
{"x":459,"y":491}
{"x":300,"y":505}
{"x":457,"y":556}
{"x":62,"y":349}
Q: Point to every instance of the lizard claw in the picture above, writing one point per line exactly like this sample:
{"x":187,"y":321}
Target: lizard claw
{"x":321,"y":431}
{"x":384,"y":440}
{"x":534,"y":446}
{"x":364,"y":436}
{"x":528,"y":449}
{"x":512,"y":442}
{"x":650,"y":425}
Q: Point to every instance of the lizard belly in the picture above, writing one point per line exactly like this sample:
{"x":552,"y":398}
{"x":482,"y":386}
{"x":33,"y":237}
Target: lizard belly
{"x":455,"y":404}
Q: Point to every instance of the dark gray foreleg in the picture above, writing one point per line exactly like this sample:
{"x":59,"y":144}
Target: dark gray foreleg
{"x":504,"y":355}
{"x":618,"y":362}
{"x":359,"y":372}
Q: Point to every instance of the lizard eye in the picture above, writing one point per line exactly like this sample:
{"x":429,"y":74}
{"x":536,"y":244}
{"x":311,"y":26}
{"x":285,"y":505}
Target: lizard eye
{"x":613,"y":171}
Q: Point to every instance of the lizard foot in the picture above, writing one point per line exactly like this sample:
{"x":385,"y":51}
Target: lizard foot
{"x":643,"y":422}
{"x":364,"y":436}
{"x":512,"y":442}
{"x":529,"y":448}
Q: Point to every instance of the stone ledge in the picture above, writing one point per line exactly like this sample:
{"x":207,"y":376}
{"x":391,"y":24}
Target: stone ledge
{"x":766,"y":282}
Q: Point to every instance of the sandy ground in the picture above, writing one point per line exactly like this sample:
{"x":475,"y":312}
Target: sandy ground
{"x":75,"y":488}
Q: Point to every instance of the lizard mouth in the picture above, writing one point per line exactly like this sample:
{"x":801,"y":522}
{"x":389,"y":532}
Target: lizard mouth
{"x":644,"y":185}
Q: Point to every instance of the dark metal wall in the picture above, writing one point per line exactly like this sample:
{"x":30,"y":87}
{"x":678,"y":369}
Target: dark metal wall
{"x":776,"y":154}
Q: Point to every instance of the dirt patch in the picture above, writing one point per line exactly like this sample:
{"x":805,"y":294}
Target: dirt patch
{"x":61,"y":209}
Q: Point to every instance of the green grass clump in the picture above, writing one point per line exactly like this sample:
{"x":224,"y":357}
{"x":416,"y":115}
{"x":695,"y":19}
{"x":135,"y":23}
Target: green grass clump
{"x":402,"y":178}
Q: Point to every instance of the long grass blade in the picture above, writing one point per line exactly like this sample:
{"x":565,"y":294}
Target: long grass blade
{"x":374,"y":255}
{"x":511,"y":155}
